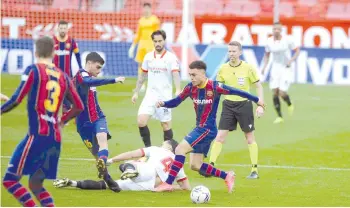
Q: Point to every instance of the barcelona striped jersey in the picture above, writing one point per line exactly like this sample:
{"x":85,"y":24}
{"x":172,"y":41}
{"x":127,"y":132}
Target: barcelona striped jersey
{"x":206,"y":100}
{"x":46,"y":87}
{"x":64,"y":48}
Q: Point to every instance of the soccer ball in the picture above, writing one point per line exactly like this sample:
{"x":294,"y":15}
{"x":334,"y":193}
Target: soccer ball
{"x":200,"y":195}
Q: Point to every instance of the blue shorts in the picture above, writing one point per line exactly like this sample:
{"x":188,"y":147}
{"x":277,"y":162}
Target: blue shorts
{"x":200,"y":139}
{"x":36,"y":152}
{"x":88,"y":133}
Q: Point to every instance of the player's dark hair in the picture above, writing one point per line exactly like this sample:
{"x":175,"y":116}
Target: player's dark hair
{"x":95,"y":57}
{"x":198,"y":65}
{"x":62,"y":22}
{"x":173,"y":144}
{"x":236,"y":43}
{"x":147,"y":4}
{"x":159,"y":32}
{"x":44,"y":47}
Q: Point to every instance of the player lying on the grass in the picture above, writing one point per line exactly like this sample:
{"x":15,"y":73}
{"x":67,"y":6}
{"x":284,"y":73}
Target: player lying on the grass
{"x":91,"y":123}
{"x":37,"y":154}
{"x":137,"y":175}
{"x":3,"y":97}
{"x":205,"y":94}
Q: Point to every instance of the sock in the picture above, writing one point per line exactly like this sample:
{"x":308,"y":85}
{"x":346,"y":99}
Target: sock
{"x":73,"y":183}
{"x":277,"y":104}
{"x":215,"y":151}
{"x":208,"y":169}
{"x":103,"y":154}
{"x":91,"y":185}
{"x":145,"y":135}
{"x":287,"y":100}
{"x":253,"y":151}
{"x":44,"y":197}
{"x":175,"y":168}
{"x":168,"y":135}
{"x":11,"y":183}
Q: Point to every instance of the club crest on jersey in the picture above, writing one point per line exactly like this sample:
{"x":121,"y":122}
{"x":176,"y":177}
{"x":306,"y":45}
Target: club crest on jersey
{"x":210,"y":93}
{"x":240,"y":80}
{"x":68,"y":45}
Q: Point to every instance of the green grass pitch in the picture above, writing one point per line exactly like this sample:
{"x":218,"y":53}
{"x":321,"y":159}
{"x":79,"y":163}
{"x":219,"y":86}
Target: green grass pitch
{"x":303,"y":162}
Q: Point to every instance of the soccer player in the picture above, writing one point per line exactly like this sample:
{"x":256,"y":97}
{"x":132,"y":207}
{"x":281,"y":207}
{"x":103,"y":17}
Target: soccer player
{"x":38,"y":153}
{"x":136,"y":175}
{"x":148,"y":23}
{"x":281,"y":71}
{"x":91,"y":123}
{"x":235,"y":109}
{"x":161,"y":66}
{"x":205,"y":94}
{"x":3,"y":97}
{"x":65,"y":45}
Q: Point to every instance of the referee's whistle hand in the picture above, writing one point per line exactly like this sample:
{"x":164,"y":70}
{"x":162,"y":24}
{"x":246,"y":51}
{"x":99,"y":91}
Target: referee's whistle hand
{"x":259,"y":111}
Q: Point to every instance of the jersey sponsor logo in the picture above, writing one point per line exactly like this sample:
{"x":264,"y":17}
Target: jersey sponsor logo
{"x":61,"y":52}
{"x":48,"y":118}
{"x":203,"y":102}
{"x":93,"y":89}
{"x":241,"y":80}
{"x":68,"y":45}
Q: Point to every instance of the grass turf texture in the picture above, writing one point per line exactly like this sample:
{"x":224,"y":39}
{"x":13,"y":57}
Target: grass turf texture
{"x":304,"y":161}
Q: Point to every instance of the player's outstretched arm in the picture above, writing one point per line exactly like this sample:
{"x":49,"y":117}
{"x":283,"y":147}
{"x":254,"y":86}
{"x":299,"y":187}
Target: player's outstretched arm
{"x":173,"y":103}
{"x":74,"y":98}
{"x":226,"y":90}
{"x":127,"y":156}
{"x":95,"y":82}
{"x":25,"y":86}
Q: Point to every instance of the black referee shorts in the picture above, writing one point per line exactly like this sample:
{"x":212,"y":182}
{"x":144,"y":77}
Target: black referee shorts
{"x":237,"y":111}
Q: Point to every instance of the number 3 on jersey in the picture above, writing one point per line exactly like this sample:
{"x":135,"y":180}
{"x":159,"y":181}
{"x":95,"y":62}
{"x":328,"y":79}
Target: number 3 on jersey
{"x":54,"y":89}
{"x":167,"y":162}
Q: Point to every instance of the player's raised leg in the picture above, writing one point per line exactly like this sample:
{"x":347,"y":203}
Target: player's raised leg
{"x":286,"y":98}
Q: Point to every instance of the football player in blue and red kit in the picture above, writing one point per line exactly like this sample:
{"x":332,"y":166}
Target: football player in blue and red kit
{"x":91,"y":123}
{"x":38,"y":153}
{"x":205,"y":94}
{"x":65,"y":46}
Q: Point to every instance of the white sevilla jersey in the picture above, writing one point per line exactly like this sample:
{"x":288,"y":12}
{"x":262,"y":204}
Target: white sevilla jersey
{"x":160,"y":68}
{"x":162,"y":160}
{"x":280,"y":49}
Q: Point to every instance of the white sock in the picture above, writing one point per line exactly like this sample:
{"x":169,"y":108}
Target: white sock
{"x":74,"y":183}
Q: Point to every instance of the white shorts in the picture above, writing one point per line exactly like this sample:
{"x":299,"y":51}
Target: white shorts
{"x":280,"y":77}
{"x":148,"y":107}
{"x":145,"y":181}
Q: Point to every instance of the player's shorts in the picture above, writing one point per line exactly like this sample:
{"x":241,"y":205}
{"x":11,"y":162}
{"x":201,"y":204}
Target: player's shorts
{"x":280,"y":77}
{"x":33,"y":153}
{"x":145,"y":181}
{"x":234,"y":112}
{"x":200,"y":139}
{"x":142,"y":50}
{"x":148,"y":107}
{"x":88,"y":134}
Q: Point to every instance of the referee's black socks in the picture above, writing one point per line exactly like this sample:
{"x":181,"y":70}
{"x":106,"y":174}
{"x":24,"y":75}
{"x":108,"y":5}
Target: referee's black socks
{"x":168,"y":135}
{"x":145,"y":135}
{"x":277,"y":104}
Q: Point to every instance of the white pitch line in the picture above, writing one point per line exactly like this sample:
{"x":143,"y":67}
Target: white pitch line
{"x":233,"y":165}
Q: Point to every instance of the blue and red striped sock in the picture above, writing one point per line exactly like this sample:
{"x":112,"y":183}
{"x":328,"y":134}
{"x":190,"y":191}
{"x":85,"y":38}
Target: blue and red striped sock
{"x":11,"y":183}
{"x":103,"y":154}
{"x":175,"y":168}
{"x":211,"y":170}
{"x":44,"y":197}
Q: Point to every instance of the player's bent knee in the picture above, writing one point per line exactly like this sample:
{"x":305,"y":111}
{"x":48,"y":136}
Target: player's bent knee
{"x":195,"y":166}
{"x":142,"y":121}
{"x":250,"y":137}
